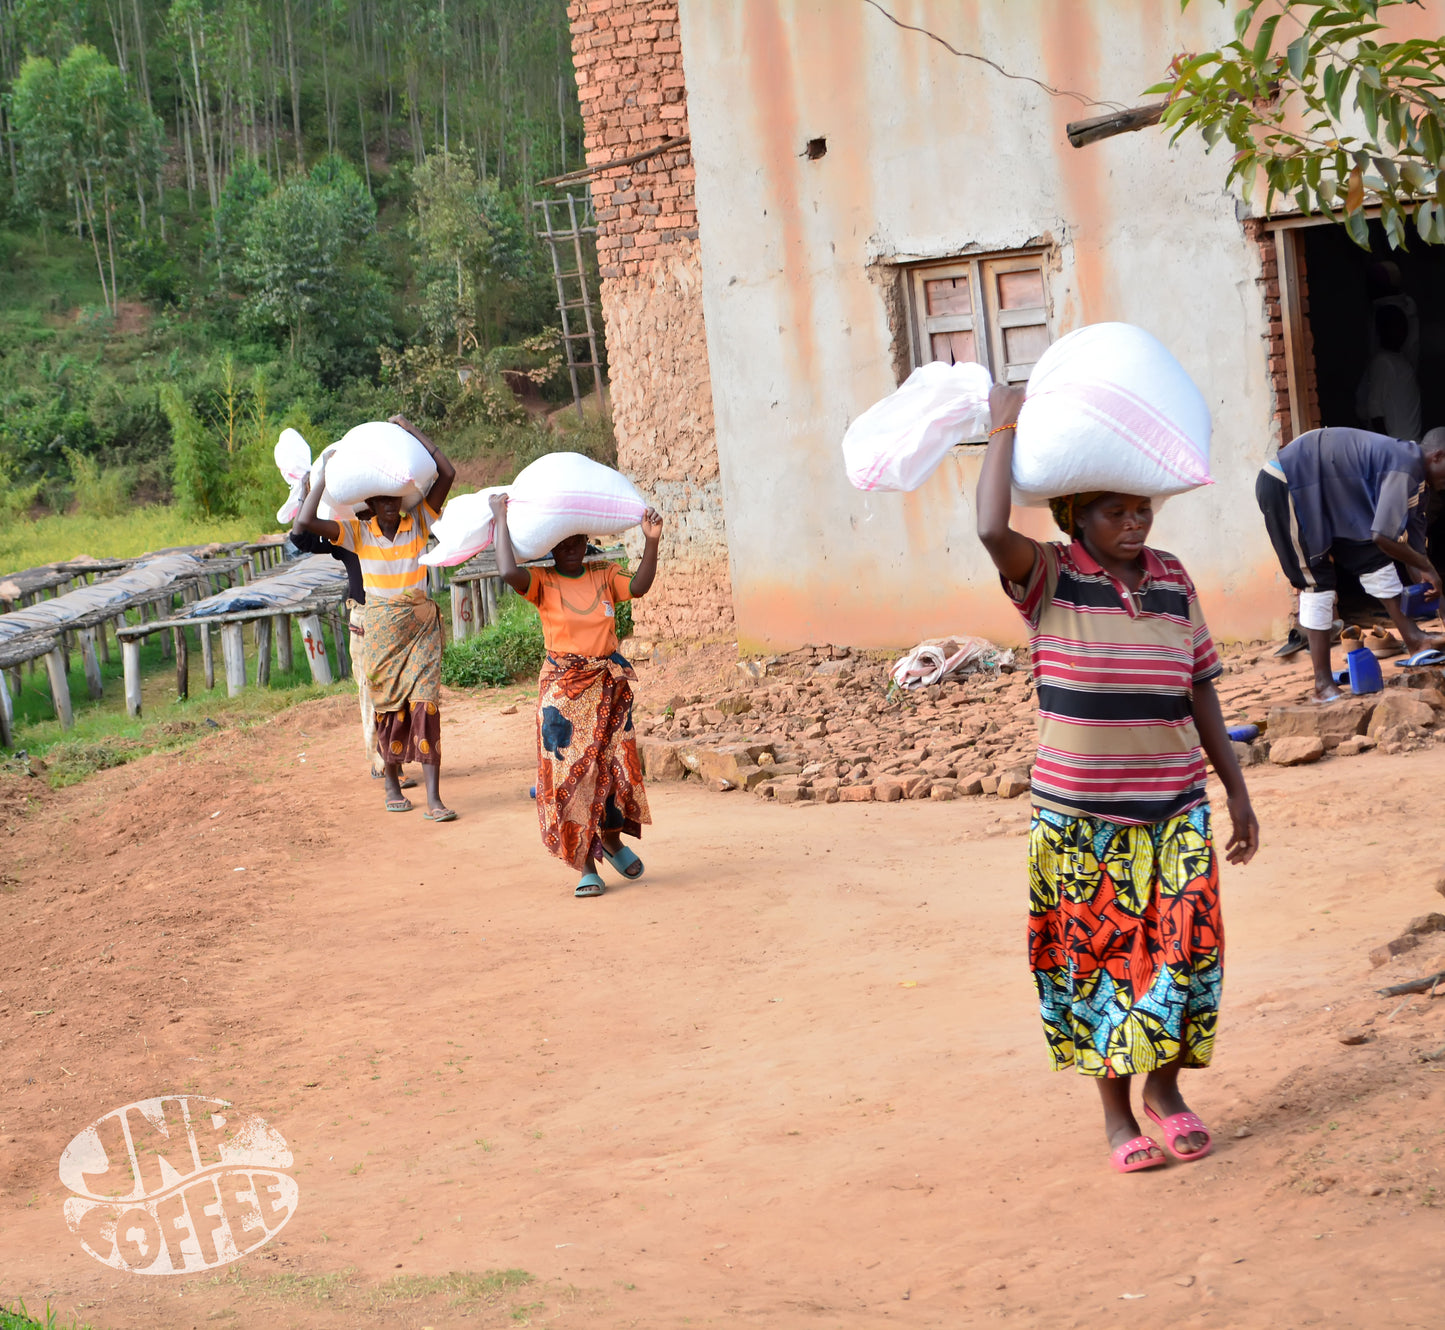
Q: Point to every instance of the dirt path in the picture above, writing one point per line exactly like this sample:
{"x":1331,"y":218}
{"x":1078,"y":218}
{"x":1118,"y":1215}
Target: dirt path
{"x":792,"y":1079}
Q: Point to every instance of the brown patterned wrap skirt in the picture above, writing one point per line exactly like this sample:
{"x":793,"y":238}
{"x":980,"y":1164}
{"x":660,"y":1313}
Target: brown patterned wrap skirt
{"x":589,"y":777}
{"x":403,"y":667}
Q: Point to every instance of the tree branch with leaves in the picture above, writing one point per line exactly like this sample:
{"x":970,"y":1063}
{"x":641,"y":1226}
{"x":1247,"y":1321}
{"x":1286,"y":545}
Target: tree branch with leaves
{"x":1318,"y":99}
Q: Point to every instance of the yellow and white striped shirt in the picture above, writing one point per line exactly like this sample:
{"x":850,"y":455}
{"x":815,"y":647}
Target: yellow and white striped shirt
{"x":389,"y":568}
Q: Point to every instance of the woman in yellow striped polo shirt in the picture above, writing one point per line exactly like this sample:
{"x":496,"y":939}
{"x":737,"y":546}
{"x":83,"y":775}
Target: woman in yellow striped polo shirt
{"x":402,"y":649}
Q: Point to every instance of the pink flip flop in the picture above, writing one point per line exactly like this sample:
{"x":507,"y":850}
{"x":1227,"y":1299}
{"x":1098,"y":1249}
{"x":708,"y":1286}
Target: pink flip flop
{"x":1178,"y":1125}
{"x":1122,"y":1152}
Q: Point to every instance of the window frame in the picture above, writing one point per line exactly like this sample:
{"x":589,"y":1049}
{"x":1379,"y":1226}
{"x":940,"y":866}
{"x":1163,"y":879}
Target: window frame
{"x":986,"y":320}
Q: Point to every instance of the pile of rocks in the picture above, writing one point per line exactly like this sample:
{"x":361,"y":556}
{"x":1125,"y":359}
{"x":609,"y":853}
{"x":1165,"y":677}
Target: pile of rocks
{"x":824,"y":724}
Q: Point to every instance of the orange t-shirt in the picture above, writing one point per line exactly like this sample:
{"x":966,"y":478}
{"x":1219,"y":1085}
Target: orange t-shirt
{"x":577,"y":612}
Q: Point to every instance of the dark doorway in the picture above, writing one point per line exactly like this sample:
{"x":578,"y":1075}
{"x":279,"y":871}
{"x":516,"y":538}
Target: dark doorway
{"x":1345,"y":283}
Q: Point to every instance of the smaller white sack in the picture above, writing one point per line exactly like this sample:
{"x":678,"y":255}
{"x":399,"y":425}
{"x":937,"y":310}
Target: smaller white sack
{"x":898,"y":442}
{"x":1110,"y":408}
{"x":375,"y":459}
{"x":463,"y":530}
{"x":567,"y":494}
{"x":326,"y":509}
{"x":293,"y":460}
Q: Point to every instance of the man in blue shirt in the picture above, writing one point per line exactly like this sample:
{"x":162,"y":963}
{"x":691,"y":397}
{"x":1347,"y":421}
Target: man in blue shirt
{"x":1346,"y":498}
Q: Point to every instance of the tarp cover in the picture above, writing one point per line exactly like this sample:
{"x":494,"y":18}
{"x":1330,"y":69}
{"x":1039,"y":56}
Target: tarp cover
{"x":295,"y":582}
{"x":149,"y":575}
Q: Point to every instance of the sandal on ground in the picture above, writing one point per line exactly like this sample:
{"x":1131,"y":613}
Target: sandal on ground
{"x":590,"y":885}
{"x":1178,"y":1125}
{"x":1429,"y":656}
{"x":440,"y":815}
{"x":1119,"y":1156}
{"x":398,"y":805}
{"x":625,"y":862}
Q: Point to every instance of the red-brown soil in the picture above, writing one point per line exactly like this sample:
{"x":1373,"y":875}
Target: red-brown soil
{"x":792,"y":1078}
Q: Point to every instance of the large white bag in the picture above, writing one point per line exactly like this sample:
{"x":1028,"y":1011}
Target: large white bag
{"x":463,"y":530}
{"x":378,"y":459}
{"x":1109,"y":408}
{"x":567,"y":494}
{"x":898,"y":443}
{"x":293,"y":460}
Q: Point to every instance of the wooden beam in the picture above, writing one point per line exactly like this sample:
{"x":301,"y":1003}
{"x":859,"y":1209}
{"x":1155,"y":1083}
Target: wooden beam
{"x":7,"y":715}
{"x":183,"y":665}
{"x":263,"y":653}
{"x":667,"y":145}
{"x":208,"y":657}
{"x":233,"y":654}
{"x":315,"y":643}
{"x":285,"y":660}
{"x":339,"y":633}
{"x":1084,"y":132}
{"x":60,"y":686}
{"x":93,"y":684}
{"x":130,"y":661}
{"x":1286,"y":255}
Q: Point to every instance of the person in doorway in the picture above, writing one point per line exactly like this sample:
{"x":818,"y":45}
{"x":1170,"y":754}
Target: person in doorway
{"x":1346,"y":498}
{"x":309,"y":543}
{"x":402,"y":645}
{"x":589,"y":776}
{"x":1126,"y":939}
{"x":1388,"y":398}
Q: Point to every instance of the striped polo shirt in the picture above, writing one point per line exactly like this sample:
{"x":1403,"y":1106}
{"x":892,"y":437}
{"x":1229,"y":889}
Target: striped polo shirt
{"x":389,"y":568}
{"x":1115,"y":672}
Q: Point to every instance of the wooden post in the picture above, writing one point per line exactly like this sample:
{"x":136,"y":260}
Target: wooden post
{"x":7,"y":715}
{"x":165,"y":637}
{"x":489,"y":588}
{"x":315,"y":643}
{"x":461,"y":612}
{"x":263,"y":653}
{"x":208,"y":659}
{"x":60,"y":686}
{"x":339,"y":634}
{"x":281,"y":630}
{"x":88,"y":658}
{"x":233,"y":653}
{"x":17,"y":681}
{"x":130,"y":661}
{"x":479,"y":609}
{"x":183,"y":665}
{"x":65,"y":648}
{"x":104,"y":636}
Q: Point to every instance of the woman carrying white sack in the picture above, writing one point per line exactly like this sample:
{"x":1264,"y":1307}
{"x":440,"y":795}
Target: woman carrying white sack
{"x":402,"y":648}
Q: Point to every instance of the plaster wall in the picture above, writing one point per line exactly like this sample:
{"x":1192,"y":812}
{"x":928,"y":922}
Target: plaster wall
{"x":930,"y":156}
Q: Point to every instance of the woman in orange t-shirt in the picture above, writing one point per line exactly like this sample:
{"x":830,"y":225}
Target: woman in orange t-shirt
{"x":589,"y":777}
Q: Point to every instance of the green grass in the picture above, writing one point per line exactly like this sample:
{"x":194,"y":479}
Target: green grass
{"x":501,"y":653}
{"x":27,"y":544}
{"x":17,"y":1318}
{"x":104,"y":736}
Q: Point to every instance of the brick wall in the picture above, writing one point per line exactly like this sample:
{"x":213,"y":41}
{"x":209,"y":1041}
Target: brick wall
{"x":1278,"y":374}
{"x":630,"y":81}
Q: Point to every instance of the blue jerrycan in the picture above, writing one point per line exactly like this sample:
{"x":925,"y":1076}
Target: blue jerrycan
{"x":1364,"y":669}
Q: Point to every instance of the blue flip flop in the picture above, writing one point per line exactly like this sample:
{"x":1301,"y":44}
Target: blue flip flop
{"x":623,"y":861}
{"x":1429,"y":656}
{"x":590,"y":885}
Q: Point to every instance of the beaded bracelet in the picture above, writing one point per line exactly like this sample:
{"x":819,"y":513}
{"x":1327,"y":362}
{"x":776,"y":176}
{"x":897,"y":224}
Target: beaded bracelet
{"x":999,"y":429}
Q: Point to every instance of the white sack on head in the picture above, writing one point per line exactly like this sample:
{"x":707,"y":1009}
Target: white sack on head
{"x":326,"y":509}
{"x":463,"y":530}
{"x":567,"y":494}
{"x":898,"y":442}
{"x":293,"y":460}
{"x":1109,"y":408}
{"x":375,"y":460}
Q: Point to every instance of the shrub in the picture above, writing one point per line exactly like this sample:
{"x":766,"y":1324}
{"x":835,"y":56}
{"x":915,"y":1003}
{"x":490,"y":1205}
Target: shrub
{"x":501,"y":653}
{"x":99,"y":491}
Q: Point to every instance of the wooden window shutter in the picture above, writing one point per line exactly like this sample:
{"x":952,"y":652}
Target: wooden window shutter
{"x":1017,"y":312}
{"x":944,"y":304}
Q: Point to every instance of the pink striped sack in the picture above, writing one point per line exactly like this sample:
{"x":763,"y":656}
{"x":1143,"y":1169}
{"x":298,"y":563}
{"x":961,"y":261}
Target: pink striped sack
{"x":567,"y":494}
{"x":463,"y":530}
{"x":898,"y":442}
{"x":1109,"y":408}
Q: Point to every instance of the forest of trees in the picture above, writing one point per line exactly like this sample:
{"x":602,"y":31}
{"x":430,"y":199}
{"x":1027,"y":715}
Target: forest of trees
{"x":323,"y":206}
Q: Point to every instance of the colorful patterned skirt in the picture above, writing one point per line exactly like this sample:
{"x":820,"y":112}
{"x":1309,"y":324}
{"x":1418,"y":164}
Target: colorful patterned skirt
{"x":589,"y":777}
{"x":403,"y":672}
{"x":1126,"y":941}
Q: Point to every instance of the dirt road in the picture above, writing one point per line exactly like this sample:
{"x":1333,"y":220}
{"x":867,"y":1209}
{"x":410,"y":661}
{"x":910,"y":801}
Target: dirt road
{"x":793,"y":1078}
